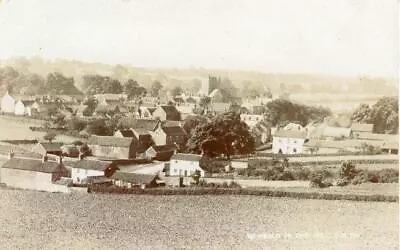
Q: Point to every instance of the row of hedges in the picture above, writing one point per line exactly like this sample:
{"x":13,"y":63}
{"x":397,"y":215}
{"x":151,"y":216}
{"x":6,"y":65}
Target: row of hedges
{"x":279,"y":174}
{"x":341,"y":153}
{"x":338,"y":162}
{"x":239,"y":191}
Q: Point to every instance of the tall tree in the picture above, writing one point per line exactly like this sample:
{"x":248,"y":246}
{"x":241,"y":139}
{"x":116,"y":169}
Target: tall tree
{"x":58,"y":84}
{"x":225,"y":134}
{"x":132,"y":89}
{"x":176,"y":91}
{"x":155,"y":88}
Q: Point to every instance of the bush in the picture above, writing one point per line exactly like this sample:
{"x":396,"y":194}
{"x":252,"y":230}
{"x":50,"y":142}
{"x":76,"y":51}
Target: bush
{"x":316,"y":179}
{"x":347,"y":170}
{"x":301,"y":173}
{"x":342,"y":182}
{"x":388,"y":175}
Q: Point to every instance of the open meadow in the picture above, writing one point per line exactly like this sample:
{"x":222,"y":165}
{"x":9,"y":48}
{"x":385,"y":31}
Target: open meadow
{"x":17,"y":128}
{"x":37,"y":220}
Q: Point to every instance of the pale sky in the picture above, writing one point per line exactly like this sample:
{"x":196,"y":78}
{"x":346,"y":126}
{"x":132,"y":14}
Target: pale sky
{"x":334,"y":37}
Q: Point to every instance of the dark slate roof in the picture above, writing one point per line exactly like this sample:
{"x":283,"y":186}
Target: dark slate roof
{"x":141,"y":131}
{"x":151,"y":109}
{"x":130,"y":122}
{"x":290,"y":134}
{"x":163,"y":148}
{"x":52,"y":146}
{"x":175,"y":130}
{"x":32,"y":165}
{"x":134,"y":178}
{"x":171,"y":111}
{"x":362,"y":127}
{"x":186,"y":157}
{"x":127,"y":133}
{"x":93,"y":165}
{"x":28,"y":103}
{"x":111,"y":141}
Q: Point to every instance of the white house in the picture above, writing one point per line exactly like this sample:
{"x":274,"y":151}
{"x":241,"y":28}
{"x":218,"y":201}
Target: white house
{"x":185,"y":165}
{"x":288,"y":141}
{"x":250,"y":119}
{"x":7,"y":104}
{"x":24,"y":107}
{"x":89,"y":168}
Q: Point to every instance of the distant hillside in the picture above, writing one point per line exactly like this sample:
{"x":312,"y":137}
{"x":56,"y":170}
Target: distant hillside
{"x":293,"y":83}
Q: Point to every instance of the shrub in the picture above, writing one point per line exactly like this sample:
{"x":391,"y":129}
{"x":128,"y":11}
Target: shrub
{"x":285,"y":176}
{"x":316,"y":179}
{"x":301,"y":173}
{"x":342,"y":182}
{"x":388,"y":175}
{"x":347,"y":170}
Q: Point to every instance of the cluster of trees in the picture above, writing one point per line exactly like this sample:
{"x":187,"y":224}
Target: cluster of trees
{"x":26,"y":83}
{"x":384,"y":114}
{"x":97,"y":84}
{"x":224,"y":134}
{"x":280,"y":112}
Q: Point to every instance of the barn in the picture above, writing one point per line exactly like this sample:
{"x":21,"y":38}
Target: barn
{"x":33,"y":174}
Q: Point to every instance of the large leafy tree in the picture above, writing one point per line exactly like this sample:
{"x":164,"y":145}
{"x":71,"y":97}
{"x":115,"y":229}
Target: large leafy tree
{"x":133,"y":89}
{"x":384,"y":114}
{"x":225,"y":135}
{"x":155,"y":88}
{"x":58,"y":84}
{"x":281,"y":111}
{"x":191,"y":122}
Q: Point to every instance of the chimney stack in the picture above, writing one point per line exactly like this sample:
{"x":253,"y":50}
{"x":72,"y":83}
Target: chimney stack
{"x":59,"y":159}
{"x":44,"y":158}
{"x":80,"y":157}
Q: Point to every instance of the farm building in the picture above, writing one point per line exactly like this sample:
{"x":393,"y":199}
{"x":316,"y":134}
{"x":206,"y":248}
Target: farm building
{"x":7,"y":104}
{"x":129,"y":180}
{"x":89,"y":168}
{"x":34,"y":174}
{"x":288,"y":141}
{"x":161,"y":153}
{"x":219,"y":107}
{"x":145,"y":112}
{"x":25,"y":107}
{"x":142,"y":167}
{"x":185,"y":165}
{"x":53,"y":148}
{"x":358,"y":129}
{"x":168,"y":135}
{"x":167,"y":112}
{"x":113,"y":147}
{"x":329,"y":132}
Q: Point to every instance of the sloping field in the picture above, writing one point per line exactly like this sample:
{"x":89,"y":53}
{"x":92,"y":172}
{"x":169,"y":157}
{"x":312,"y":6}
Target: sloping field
{"x":11,"y":128}
{"x":36,"y":220}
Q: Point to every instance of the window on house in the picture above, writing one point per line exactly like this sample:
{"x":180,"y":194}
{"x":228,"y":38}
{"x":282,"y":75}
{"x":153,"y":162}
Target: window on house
{"x":77,"y":170}
{"x":86,"y":172}
{"x":176,"y":161}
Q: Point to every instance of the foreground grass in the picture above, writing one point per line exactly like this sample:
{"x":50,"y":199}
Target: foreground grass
{"x":37,"y":220}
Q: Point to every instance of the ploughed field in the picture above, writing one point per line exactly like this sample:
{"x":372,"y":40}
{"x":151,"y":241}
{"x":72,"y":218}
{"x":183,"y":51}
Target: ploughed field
{"x":37,"y":220}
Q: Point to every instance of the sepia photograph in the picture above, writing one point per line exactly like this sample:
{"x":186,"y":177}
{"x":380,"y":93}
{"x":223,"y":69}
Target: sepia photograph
{"x":199,"y":124}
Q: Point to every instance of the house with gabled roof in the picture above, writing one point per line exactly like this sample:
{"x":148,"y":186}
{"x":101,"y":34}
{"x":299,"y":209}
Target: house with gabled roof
{"x":186,"y":165}
{"x":131,"y":180}
{"x":24,"y":107}
{"x":53,"y":148}
{"x":124,"y":133}
{"x":168,"y":135}
{"x":167,"y":112}
{"x":84,"y":169}
{"x":7,"y":103}
{"x":133,"y":123}
{"x":361,"y":129}
{"x":288,"y":141}
{"x":113,"y":147}
{"x":33,"y":174}
{"x":161,"y":152}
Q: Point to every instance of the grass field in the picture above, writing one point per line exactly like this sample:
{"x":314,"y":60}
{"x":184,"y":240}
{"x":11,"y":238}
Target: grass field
{"x":11,"y":128}
{"x":36,"y":220}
